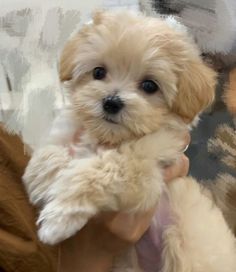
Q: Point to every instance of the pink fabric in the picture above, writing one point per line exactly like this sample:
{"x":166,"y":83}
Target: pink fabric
{"x":149,"y":248}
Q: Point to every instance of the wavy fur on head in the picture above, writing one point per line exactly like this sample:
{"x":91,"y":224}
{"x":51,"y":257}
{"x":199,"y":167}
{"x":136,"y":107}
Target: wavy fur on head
{"x":117,"y":163}
{"x":137,"y":48}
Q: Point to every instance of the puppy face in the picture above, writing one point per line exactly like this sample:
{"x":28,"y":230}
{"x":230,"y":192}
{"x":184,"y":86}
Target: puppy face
{"x":127,"y":73}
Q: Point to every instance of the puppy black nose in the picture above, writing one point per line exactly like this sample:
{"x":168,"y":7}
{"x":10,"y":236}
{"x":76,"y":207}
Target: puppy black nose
{"x":112,"y":104}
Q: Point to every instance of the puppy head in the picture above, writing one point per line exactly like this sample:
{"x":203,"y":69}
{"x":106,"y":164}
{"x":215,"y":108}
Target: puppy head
{"x":127,"y":73}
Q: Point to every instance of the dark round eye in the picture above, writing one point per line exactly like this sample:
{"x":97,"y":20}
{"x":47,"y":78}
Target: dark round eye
{"x":149,"y":86}
{"x":99,"y":73}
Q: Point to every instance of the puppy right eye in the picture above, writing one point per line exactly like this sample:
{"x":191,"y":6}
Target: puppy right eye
{"x":99,"y":73}
{"x":149,"y":86}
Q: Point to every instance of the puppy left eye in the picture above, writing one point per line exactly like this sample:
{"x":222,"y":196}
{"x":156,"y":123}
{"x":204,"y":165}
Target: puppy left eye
{"x":149,"y":86}
{"x":99,"y":73}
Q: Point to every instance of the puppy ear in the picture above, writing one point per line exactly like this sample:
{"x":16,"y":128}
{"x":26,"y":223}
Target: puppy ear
{"x":71,"y":49}
{"x":98,"y":16}
{"x":67,"y":60}
{"x":196,"y":90}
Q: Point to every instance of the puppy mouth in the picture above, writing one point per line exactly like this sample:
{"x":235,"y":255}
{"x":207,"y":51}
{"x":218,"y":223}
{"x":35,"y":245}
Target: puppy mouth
{"x":110,"y":120}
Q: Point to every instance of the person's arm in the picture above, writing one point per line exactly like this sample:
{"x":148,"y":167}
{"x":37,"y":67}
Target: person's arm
{"x":94,"y":248}
{"x":85,"y":251}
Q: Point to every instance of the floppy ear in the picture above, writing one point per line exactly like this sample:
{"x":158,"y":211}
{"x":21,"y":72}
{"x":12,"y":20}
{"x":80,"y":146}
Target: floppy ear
{"x":67,"y":60}
{"x":196,"y":90}
{"x":98,"y":16}
{"x":71,"y":49}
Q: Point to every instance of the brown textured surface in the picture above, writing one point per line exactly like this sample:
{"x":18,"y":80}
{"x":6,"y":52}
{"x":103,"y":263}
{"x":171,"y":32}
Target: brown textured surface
{"x":20,"y":250}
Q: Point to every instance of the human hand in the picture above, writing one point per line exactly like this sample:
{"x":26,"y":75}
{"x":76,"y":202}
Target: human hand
{"x":181,"y":166}
{"x":104,"y":237}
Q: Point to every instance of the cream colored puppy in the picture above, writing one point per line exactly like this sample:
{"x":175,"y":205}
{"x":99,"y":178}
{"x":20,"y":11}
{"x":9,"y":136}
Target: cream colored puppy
{"x":135,"y":85}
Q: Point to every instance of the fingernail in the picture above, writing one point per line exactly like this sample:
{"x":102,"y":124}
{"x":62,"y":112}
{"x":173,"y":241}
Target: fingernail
{"x":185,"y":149}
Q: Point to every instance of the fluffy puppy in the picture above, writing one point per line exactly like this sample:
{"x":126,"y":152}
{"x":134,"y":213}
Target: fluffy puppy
{"x":135,"y":85}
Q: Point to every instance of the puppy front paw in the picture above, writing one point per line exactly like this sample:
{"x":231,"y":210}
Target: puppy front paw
{"x":40,"y":172}
{"x":52,"y":232}
{"x":58,"y":223}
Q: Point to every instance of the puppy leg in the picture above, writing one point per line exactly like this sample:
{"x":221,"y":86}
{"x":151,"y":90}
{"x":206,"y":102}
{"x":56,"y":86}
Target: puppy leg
{"x":124,"y":179}
{"x":200,"y":239}
{"x":85,"y":187}
{"x":41,"y":169}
